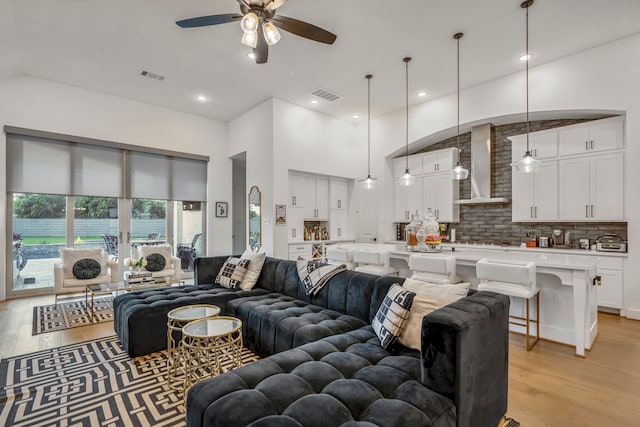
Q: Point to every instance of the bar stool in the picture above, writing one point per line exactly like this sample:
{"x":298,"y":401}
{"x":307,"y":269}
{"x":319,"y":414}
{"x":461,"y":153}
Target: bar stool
{"x":433,"y":268}
{"x":337,"y":256}
{"x":373,"y":261}
{"x":515,"y":280}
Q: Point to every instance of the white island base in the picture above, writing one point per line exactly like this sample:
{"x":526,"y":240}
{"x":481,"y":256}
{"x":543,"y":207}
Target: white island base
{"x":568,"y":306}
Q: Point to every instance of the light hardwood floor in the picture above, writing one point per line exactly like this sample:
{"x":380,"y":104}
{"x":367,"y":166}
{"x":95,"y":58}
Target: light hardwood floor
{"x":548,"y":386}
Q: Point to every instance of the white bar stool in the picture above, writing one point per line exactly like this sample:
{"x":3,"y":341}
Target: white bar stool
{"x":337,"y":256}
{"x":515,"y":280}
{"x":433,"y":268}
{"x":373,"y":261}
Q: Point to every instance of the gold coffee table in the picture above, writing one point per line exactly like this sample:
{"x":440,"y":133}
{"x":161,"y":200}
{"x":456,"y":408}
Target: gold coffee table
{"x":176,"y":320}
{"x":205,"y":342}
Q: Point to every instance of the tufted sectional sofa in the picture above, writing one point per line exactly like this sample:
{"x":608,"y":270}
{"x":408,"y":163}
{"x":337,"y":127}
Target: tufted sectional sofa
{"x":322,"y":363}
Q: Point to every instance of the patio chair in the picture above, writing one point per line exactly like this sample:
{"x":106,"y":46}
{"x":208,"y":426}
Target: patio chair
{"x":153,"y":236}
{"x":111,"y":242}
{"x":187,"y":252}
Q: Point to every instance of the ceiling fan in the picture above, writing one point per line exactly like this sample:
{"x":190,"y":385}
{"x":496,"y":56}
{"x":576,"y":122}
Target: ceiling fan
{"x":258,"y":20}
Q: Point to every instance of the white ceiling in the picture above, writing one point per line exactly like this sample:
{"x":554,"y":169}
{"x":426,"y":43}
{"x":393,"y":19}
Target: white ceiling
{"x":103,"y":45}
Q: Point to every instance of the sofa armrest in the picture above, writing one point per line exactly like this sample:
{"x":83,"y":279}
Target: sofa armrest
{"x":114,"y":269}
{"x":465,"y":356}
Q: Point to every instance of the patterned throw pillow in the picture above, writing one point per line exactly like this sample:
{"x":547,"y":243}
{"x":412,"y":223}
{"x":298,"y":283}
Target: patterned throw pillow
{"x":155,"y":262}
{"x":86,"y":268}
{"x":314,"y":275}
{"x":232,"y":272}
{"x":392,"y":314}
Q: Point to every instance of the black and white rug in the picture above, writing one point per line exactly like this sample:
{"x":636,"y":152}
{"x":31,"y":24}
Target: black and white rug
{"x":94,"y":383}
{"x":70,"y":314}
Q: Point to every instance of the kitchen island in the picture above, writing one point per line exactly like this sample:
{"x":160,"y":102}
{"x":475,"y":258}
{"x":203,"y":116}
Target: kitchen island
{"x":568,"y":305}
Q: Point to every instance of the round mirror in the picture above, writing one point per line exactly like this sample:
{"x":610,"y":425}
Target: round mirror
{"x":255,"y":222}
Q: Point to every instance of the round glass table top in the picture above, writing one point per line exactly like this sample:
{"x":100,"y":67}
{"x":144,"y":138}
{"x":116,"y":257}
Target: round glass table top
{"x":193,"y":312}
{"x":212,"y":327}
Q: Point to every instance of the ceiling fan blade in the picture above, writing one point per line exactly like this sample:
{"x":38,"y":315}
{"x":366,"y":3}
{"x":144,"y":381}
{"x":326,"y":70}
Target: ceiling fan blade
{"x":274,"y":4}
{"x":304,"y":29}
{"x":261,"y":51}
{"x":203,"y":21}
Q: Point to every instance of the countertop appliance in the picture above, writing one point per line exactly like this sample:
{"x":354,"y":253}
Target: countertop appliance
{"x":611,"y":243}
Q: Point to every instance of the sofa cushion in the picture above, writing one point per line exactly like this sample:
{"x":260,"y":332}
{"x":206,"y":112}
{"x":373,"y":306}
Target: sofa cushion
{"x":86,"y":268}
{"x":232,"y":272}
{"x":253,"y":271}
{"x":274,"y":322}
{"x":155,"y":262}
{"x":392,"y":315}
{"x":347,"y":379}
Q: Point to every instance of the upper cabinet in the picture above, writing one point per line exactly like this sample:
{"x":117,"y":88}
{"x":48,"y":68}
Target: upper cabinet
{"x":316,"y":198}
{"x":339,"y":194}
{"x":543,"y":145}
{"x":599,"y":135}
{"x":296,"y":191}
{"x":400,"y":165}
{"x":439,"y":161}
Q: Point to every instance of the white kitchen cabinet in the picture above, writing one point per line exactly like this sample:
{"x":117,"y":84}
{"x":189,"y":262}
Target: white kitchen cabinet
{"x":407,"y":200}
{"x":296,"y":190}
{"x":543,"y":145}
{"x":295,"y":224}
{"x":316,"y":198}
{"x":535,"y":195}
{"x":439,"y":161}
{"x":590,"y":188}
{"x":303,"y":250}
{"x":598,"y":135}
{"x":610,"y":291}
{"x":438,"y":193}
{"x":339,"y":224}
{"x":399,"y":165}
{"x":339,"y":194}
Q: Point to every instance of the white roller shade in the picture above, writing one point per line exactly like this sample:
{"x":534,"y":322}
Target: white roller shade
{"x":97,"y":171}
{"x":188,"y":179}
{"x":149,"y":176}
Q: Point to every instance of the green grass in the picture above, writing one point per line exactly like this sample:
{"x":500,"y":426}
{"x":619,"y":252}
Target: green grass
{"x":46,"y":240}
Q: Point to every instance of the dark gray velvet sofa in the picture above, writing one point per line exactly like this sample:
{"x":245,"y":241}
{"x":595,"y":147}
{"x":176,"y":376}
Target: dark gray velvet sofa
{"x":323,"y":365}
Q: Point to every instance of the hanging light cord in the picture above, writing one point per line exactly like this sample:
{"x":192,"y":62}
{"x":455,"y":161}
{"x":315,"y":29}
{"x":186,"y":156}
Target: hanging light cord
{"x":527,"y":70}
{"x":406,"y":63}
{"x":368,"y":77}
{"x":458,"y":76}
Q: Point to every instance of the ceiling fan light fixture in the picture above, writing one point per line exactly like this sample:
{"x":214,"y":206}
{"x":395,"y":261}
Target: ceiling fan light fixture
{"x":250,"y":39}
{"x":250,"y":22}
{"x":271,"y":33}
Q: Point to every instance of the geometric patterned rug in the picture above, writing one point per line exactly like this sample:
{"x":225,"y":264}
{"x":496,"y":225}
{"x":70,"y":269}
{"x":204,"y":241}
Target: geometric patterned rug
{"x":71,"y":314}
{"x":94,"y":383}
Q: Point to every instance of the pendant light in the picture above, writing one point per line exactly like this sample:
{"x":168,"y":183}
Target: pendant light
{"x":368,"y":183}
{"x":528,"y":163}
{"x":407,"y":179}
{"x":458,"y":172}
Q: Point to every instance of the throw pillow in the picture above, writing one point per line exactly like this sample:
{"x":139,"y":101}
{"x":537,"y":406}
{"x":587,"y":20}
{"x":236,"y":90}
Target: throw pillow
{"x":232,"y":272}
{"x":86,"y":268}
{"x":429,"y":297}
{"x":155,"y":262}
{"x":255,"y":267}
{"x":314,"y":276}
{"x":70,"y":256}
{"x":392,"y":314}
{"x":164,"y":250}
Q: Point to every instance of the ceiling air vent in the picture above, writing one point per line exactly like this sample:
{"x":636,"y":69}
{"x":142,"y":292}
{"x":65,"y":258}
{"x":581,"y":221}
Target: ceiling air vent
{"x":325,"y":94}
{"x":151,"y":75}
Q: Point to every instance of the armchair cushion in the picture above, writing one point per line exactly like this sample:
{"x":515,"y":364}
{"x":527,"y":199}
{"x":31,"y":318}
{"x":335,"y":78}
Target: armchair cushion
{"x":70,"y":256}
{"x":155,"y":262}
{"x":86,"y":268}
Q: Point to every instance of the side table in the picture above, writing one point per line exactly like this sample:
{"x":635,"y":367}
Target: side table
{"x":176,"y":319}
{"x":205,"y":342}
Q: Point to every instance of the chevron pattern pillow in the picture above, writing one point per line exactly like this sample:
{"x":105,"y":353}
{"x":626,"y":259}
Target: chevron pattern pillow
{"x":392,"y":315}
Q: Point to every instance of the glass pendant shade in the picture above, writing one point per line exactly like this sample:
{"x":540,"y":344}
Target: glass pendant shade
{"x":407,"y":179}
{"x":271,"y":33}
{"x":369,"y":183}
{"x":250,"y":39}
{"x":527,"y":164}
{"x":250,"y":22}
{"x":459,"y":173}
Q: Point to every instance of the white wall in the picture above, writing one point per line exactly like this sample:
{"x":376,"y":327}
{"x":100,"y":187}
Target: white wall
{"x":602,"y":78}
{"x":54,"y":107}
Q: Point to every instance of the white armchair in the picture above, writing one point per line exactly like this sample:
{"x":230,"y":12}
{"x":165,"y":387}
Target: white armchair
{"x":160,"y":262}
{"x":81,"y":267}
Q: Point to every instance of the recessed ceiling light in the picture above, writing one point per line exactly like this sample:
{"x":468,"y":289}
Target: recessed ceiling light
{"x":355,"y":116}
{"x":422,"y":94}
{"x":314,"y":101}
{"x":202,"y":98}
{"x":523,"y":58}
{"x":251,"y":55}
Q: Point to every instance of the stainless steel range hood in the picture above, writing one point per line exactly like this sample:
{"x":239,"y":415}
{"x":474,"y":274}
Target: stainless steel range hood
{"x":482,"y":144}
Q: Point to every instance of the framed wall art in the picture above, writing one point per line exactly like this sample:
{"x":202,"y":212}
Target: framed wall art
{"x":222,"y":209}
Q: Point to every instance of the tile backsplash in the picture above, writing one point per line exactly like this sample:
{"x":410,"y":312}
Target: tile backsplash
{"x":491,"y":223}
